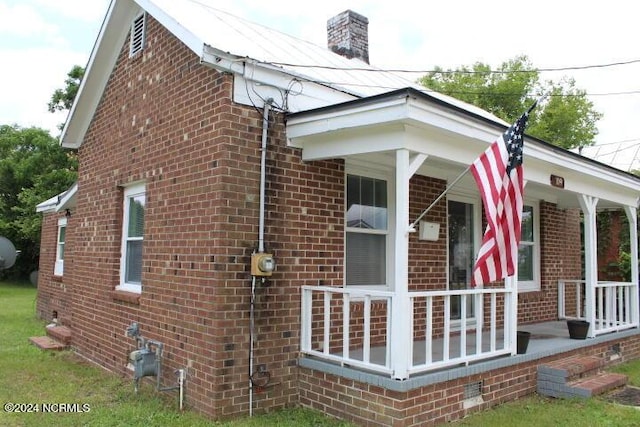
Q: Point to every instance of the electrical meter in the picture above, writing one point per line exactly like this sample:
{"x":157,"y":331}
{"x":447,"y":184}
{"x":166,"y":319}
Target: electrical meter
{"x":262,"y":264}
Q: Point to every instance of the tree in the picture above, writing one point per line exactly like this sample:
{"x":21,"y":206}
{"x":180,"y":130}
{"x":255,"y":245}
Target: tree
{"x":566,"y":118}
{"x":62,"y":99}
{"x":33,"y":168}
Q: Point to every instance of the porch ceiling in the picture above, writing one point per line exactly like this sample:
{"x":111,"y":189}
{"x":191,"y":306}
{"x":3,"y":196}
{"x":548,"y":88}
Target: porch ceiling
{"x":372,"y":130}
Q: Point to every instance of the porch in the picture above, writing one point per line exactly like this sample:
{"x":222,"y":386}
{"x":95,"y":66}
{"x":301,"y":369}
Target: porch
{"x":549,"y":340}
{"x":351,"y":327}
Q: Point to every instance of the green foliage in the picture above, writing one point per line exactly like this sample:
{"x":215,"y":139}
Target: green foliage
{"x":62,"y":99}
{"x":566,"y":118}
{"x":33,"y":168}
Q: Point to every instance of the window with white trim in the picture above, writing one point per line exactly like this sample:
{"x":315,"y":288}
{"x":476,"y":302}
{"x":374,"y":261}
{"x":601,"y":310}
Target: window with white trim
{"x":58,"y":268}
{"x":529,"y":250}
{"x":137,"y":34}
{"x":367,"y":231}
{"x":132,"y":238}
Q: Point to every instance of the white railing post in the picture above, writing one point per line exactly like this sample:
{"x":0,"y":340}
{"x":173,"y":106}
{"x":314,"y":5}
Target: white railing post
{"x":305,"y":320}
{"x":511,"y":323}
{"x":561,"y":300}
{"x":588,"y":205}
{"x":346,"y":322}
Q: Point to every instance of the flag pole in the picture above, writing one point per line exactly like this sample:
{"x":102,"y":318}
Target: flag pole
{"x":412,"y":227}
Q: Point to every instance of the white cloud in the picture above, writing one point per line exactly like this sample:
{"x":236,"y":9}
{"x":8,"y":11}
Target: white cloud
{"x":82,"y":10}
{"x":27,"y":87}
{"x":23,"y":20}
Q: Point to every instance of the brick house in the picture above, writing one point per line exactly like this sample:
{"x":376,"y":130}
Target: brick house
{"x":210,"y":146}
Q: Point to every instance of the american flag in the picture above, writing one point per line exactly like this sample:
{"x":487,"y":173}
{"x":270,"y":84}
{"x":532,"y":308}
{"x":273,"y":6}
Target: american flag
{"x":498,"y":174}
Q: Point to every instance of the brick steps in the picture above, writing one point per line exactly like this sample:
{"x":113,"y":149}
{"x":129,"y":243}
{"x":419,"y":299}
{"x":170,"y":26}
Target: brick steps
{"x":57,"y":338}
{"x":578,"y":376}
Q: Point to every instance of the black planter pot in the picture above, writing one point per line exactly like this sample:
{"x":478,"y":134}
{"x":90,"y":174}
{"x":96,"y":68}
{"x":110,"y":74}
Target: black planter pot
{"x":578,"y":329}
{"x":522,"y":341}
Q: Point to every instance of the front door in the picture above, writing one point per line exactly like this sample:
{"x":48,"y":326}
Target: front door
{"x":461,"y":253}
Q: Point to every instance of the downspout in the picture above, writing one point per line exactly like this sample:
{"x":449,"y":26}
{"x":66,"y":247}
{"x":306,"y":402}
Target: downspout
{"x":263,"y":171}
{"x":263,"y":175}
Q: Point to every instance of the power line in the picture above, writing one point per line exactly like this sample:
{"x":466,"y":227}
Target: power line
{"x":438,"y":71}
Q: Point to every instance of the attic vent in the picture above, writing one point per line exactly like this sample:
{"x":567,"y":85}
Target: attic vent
{"x":137,"y":34}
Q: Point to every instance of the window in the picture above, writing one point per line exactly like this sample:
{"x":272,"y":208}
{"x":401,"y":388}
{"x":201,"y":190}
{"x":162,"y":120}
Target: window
{"x":137,"y":38}
{"x":366,"y":234}
{"x":529,"y":251}
{"x":132,"y":237}
{"x":58,"y":268}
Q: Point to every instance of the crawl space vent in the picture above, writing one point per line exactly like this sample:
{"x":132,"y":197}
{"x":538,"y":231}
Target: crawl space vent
{"x":472,"y":395}
{"x":472,"y":390}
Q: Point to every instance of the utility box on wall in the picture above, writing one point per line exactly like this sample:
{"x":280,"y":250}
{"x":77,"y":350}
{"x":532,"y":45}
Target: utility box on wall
{"x":262,"y":264}
{"x":429,"y":231}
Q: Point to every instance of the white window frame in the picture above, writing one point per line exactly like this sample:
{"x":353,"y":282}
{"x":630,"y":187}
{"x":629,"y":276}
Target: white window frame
{"x":58,"y":268}
{"x":371,"y":171}
{"x":131,"y":191}
{"x":533,"y":285}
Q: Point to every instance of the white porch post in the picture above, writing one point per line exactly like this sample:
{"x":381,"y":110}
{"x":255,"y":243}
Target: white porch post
{"x":588,"y":205}
{"x":401,"y":339}
{"x":632,"y":216}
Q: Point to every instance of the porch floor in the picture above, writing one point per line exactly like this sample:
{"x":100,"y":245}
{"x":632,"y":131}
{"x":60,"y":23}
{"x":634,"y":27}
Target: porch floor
{"x":546,"y":338}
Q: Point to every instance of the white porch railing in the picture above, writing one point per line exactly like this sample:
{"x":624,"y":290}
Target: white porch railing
{"x":481,"y":332}
{"x":615,"y":304}
{"x":337,"y":325}
{"x":353,"y":327}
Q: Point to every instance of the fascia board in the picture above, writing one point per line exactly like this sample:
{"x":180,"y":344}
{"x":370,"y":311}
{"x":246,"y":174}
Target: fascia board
{"x":586,"y":167}
{"x":193,"y":42}
{"x":452,"y":135}
{"x":268,"y":81}
{"x":48,"y":205}
{"x":68,"y":200}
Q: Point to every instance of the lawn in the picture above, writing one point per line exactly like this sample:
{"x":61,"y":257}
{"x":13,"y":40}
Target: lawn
{"x":29,"y":375}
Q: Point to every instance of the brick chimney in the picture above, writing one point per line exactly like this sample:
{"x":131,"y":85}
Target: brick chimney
{"x":348,"y":35}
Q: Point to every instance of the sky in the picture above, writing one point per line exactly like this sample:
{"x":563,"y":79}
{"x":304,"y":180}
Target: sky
{"x":41,"y":40}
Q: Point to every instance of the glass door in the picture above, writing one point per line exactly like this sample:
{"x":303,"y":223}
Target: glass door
{"x":461,"y":253}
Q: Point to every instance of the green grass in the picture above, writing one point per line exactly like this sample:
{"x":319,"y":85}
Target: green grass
{"x":29,"y":375}
{"x":536,"y":411}
{"x":630,"y":369}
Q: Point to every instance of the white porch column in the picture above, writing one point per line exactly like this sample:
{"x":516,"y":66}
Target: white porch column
{"x":401,"y":340}
{"x":588,"y":205}
{"x":632,"y":216}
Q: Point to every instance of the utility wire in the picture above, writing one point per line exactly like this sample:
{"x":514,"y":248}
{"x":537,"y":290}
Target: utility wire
{"x":438,"y":71}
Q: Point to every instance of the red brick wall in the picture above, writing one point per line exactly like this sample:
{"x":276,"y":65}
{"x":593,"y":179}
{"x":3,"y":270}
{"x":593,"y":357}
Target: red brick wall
{"x":53,"y":294}
{"x":610,"y":238}
{"x":168,"y":121}
{"x":427,"y":260}
{"x":561,"y":258}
